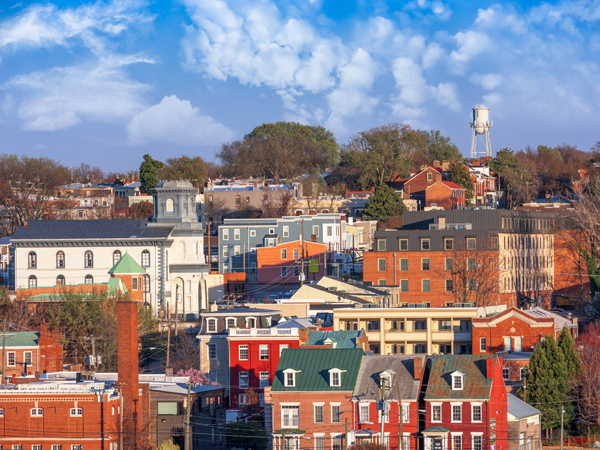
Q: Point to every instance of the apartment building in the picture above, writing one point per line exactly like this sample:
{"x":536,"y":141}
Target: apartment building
{"x":409,"y":331}
{"x":472,"y":257}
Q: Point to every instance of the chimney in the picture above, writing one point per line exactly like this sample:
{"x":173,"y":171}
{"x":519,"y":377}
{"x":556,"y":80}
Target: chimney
{"x":490,"y":364}
{"x":127,"y":356}
{"x":436,"y":163}
{"x":25,"y":224}
{"x":302,"y":336}
{"x":418,"y":368}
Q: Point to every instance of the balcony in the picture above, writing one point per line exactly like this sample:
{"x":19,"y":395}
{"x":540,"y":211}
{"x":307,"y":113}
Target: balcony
{"x":263,"y":332}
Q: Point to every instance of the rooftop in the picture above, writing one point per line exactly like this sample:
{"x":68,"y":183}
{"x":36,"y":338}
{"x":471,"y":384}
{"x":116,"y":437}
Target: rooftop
{"x":519,"y":408}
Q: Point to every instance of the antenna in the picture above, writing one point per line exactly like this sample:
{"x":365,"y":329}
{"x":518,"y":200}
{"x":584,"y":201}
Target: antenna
{"x":481,"y":131}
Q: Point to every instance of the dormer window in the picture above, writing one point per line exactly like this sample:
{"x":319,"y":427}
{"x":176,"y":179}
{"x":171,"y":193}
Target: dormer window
{"x":457,"y":381}
{"x":211,"y":325}
{"x":386,"y":376}
{"x":289,"y":377}
{"x":335,"y":377}
{"x":329,"y":341}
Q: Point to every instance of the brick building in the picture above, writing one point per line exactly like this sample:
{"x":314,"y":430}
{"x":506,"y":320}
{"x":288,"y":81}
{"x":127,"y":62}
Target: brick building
{"x":524,"y":425}
{"x":466,"y":405}
{"x":429,"y":189}
{"x":33,"y":351}
{"x":282,"y":264}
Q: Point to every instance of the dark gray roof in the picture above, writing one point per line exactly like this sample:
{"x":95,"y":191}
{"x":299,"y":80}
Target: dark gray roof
{"x":358,"y":286}
{"x":519,"y":408}
{"x":339,"y":294}
{"x":367,"y":384}
{"x":242,"y":311}
{"x":89,"y":229}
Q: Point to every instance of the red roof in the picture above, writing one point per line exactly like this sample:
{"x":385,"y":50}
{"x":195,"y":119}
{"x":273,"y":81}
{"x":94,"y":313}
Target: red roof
{"x":453,"y":185}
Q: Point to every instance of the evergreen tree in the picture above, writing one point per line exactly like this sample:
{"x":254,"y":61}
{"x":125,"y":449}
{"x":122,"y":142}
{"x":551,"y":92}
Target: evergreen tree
{"x":567,"y":345}
{"x":384,"y":203}
{"x":149,"y":173}
{"x":460,"y":175}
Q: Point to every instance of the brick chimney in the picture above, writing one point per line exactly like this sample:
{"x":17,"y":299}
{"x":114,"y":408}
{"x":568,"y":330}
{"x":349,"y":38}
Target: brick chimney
{"x":302,"y":336}
{"x":490,"y":364}
{"x":127,"y":355}
{"x":418,"y":368}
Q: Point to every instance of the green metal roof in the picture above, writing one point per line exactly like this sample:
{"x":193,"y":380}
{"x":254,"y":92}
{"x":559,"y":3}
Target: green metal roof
{"x":476,"y":384}
{"x":343,"y":339}
{"x":127,"y":265}
{"x":436,"y":430}
{"x":314,"y":365}
{"x":113,"y":286}
{"x":21,"y":338}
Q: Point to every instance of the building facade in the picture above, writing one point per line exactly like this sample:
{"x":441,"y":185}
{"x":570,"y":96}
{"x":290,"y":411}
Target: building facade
{"x":285,"y":263}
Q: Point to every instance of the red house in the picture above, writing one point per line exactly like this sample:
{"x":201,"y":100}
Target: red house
{"x":404,"y":371}
{"x":253,"y":358}
{"x":283,"y":263}
{"x":429,"y":189}
{"x":466,"y":404}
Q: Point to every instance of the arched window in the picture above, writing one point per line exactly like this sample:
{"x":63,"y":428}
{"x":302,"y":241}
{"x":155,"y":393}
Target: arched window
{"x":116,"y":256}
{"x":250,"y":322}
{"x":32,"y":260}
{"x":146,"y":283}
{"x":60,"y":280}
{"x":32,"y":281}
{"x":88,"y":259}
{"x":60,"y":259}
{"x":145,"y":258}
{"x":169,"y":205}
{"x":89,"y":279}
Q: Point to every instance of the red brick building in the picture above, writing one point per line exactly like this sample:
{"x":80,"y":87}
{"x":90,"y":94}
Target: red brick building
{"x":466,"y":404}
{"x":282,"y":263}
{"x":429,"y":189}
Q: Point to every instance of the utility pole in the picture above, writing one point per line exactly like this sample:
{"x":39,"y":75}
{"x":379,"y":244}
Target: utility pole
{"x":209,"y":263}
{"x":187,"y":417}
{"x":400,"y":434}
{"x":346,"y":446}
{"x":93,"y":354}
{"x":283,"y":441}
{"x":562,"y":428}
{"x":176,"y":304}
{"x":302,"y":278}
{"x":382,"y":435}
{"x":3,"y":351}
{"x":168,"y":342}
{"x":121,"y":420}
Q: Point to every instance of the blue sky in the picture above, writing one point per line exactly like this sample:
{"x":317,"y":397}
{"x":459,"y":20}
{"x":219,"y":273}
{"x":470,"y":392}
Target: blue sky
{"x":107,"y":82}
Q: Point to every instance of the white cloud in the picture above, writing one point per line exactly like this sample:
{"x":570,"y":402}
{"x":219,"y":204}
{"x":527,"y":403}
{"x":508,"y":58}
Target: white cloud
{"x":488,"y":81}
{"x":176,"y":121}
{"x":470,"y":44}
{"x":52,"y":123}
{"x":446,"y":94}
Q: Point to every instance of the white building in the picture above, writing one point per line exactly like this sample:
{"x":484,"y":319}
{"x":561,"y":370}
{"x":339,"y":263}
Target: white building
{"x":169,"y":246}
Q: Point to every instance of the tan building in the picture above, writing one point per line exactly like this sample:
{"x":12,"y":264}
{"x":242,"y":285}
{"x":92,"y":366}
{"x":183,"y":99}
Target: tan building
{"x":408,"y":331}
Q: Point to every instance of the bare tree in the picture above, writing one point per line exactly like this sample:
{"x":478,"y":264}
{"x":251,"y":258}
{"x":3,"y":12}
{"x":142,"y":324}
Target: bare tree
{"x":277,"y":204}
{"x":84,"y":172}
{"x":186,"y":354}
{"x":587,"y":392}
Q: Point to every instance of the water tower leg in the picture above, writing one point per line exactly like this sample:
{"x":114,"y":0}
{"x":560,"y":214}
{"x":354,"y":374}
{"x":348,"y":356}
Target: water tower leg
{"x":488,"y":143}
{"x":474,"y":144}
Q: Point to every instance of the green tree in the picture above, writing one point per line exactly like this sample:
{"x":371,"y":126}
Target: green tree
{"x":440,"y":147}
{"x":248,"y":434}
{"x":567,"y":345}
{"x":382,"y":153}
{"x":316,"y":134}
{"x":384,"y":203}
{"x":149,"y":173}
{"x":185,"y":168}
{"x":460,"y":175}
{"x":168,"y":445}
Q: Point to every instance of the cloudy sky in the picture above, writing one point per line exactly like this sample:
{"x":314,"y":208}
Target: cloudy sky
{"x":106,"y":82}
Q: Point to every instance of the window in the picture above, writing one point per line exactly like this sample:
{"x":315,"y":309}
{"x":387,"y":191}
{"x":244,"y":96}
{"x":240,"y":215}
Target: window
{"x":403,"y":265}
{"x":405,"y":413}
{"x":146,"y":283}
{"x":375,"y":348}
{"x":231,"y":322}
{"x":282,"y":347}
{"x":88,"y":259}
{"x":475,"y":413}
{"x":238,"y":201}
{"x":449,"y":263}
{"x":89,"y":279}
{"x":243,"y":377}
{"x":482,"y":344}
{"x":116,"y":257}
{"x":448,"y":244}
{"x":17,"y":447}
{"x":76,"y":446}
{"x":336,"y":443}
{"x":212,"y":351}
{"x":477,"y":442}
{"x":60,"y":260}
{"x":290,"y":416}
{"x":271,"y":230}
{"x":315,"y":230}
{"x":529,"y":442}
{"x":405,"y":442}
{"x":264,"y":352}
{"x":319,"y":442}
{"x":236,"y":234}
{"x":319,"y":414}
{"x":445,"y":325}
{"x":363,"y":413}
{"x":243,"y":352}
{"x":225,"y":251}
{"x":76,"y":412}
{"x":252,"y":233}
{"x":169,"y":205}
{"x":264,"y":379}
{"x":56,"y":447}
{"x":27,"y":358}
{"x":457,"y":382}
{"x":429,"y":177}
{"x":436,"y":413}
{"x":283,"y":272}
{"x":336,"y":414}
{"x":381,"y":282}
{"x":420,"y":324}
{"x":145,"y":258}
{"x":424,"y":244}
{"x":286,"y":231}
{"x":506,"y":373}
{"x":134,"y":283}
{"x":36,"y":447}
{"x":212,"y":375}
{"x":456,"y":413}
{"x":37,"y":412}
{"x":296,"y":271}
{"x":425,"y":264}
{"x":449,"y":285}
{"x":471,"y":263}
{"x":403,"y":285}
{"x":283,"y":253}
{"x":32,"y":260}
{"x":381,"y":264}
{"x":296,"y":253}
{"x":420,"y":348}
{"x":335,"y":378}
{"x":253,"y":250}
{"x":521,"y":373}
{"x":11,"y":359}
{"x":236,"y":250}
{"x":426,"y":285}
{"x":373,"y":325}
{"x":403,"y":245}
{"x":60,"y":280}
{"x":381,"y":245}
{"x":471,"y":243}
{"x":211,"y":325}
{"x":290,"y":378}
{"x":471,"y":285}
{"x":329,"y":229}
{"x":457,"y":442}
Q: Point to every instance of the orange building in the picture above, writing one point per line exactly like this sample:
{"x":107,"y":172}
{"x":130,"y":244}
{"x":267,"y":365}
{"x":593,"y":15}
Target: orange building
{"x":283,"y":263}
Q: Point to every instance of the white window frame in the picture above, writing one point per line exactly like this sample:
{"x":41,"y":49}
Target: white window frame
{"x":335,"y":375}
{"x":339,"y":417}
{"x":237,"y":250}
{"x":286,"y":231}
{"x":455,"y":435}
{"x":225,"y":251}
{"x":473,"y":406}
{"x":296,"y":253}
{"x":361,"y":416}
{"x":405,"y":412}
{"x":76,"y":412}
{"x":225,"y":234}
{"x":227,"y":319}
{"x":289,"y":408}
{"x":212,"y":348}
{"x":37,"y":412}
{"x":245,"y":347}
{"x":452,"y":405}
{"x":438,"y":405}
{"x":457,"y":376}
{"x":28,"y":360}
{"x":247,"y":385}
{"x":264,"y":379}
{"x":283,"y":253}
{"x":236,"y":234}
{"x":283,"y":346}
{"x":287,"y":380}
{"x":476,"y":435}
{"x":14,"y":358}
{"x":506,"y":370}
{"x":322,"y":407}
{"x":211,"y":321}
{"x":252,"y":233}
{"x":263,"y":348}
{"x":315,"y":227}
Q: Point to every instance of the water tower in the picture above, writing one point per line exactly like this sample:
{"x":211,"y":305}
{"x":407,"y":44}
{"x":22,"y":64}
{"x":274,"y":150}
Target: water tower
{"x":481,"y":131}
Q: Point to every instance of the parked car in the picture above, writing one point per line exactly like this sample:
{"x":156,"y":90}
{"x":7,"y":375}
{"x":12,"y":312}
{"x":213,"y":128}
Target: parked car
{"x":562,"y":312}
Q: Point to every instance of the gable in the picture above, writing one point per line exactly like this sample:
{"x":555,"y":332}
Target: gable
{"x":476,"y":384}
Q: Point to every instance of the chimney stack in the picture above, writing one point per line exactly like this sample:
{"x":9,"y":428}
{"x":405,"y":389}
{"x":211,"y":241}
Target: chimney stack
{"x":127,"y":356}
{"x":418,"y":368}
